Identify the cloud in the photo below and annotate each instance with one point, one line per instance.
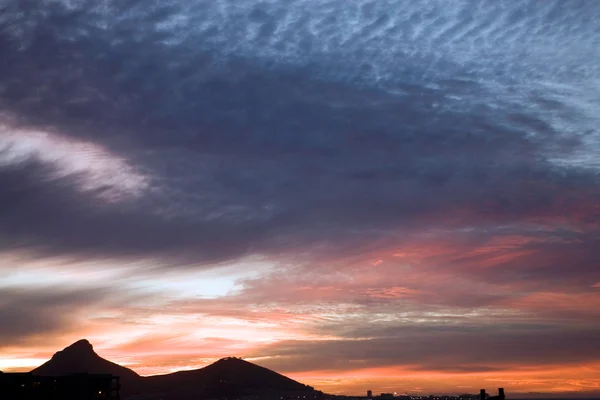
(44, 304)
(96, 169)
(233, 153)
(49, 216)
(391, 163)
(29, 313)
(438, 349)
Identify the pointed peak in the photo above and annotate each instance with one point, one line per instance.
(79, 358)
(82, 344)
(80, 347)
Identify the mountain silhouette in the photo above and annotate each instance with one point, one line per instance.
(226, 377)
(80, 357)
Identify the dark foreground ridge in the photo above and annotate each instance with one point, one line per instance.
(226, 377)
(80, 357)
(78, 365)
(78, 373)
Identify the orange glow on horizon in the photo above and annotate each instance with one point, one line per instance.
(355, 381)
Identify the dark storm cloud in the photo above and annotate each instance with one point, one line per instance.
(27, 313)
(553, 256)
(49, 216)
(440, 349)
(269, 127)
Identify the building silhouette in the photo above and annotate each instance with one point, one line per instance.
(27, 386)
(484, 396)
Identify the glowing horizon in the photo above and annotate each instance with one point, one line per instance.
(522, 381)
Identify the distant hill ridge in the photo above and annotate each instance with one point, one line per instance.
(228, 376)
(81, 357)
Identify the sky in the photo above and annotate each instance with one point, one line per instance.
(360, 194)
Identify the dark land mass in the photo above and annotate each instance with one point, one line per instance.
(228, 377)
(80, 357)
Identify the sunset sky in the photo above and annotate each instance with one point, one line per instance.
(360, 194)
